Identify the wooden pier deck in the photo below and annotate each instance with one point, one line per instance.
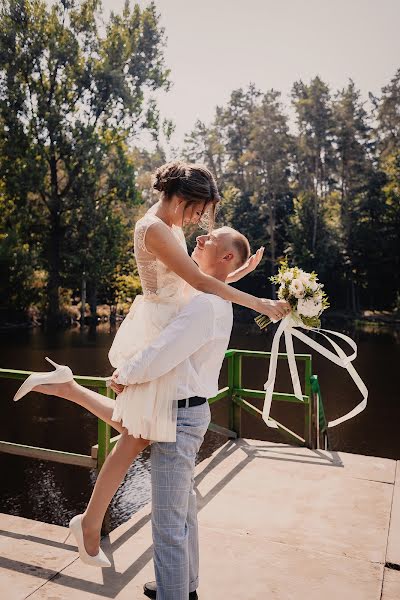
(276, 523)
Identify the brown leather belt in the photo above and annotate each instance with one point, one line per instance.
(193, 401)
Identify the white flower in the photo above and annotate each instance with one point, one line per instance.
(287, 276)
(308, 307)
(319, 307)
(296, 288)
(280, 292)
(313, 285)
(304, 278)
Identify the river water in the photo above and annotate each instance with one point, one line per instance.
(53, 493)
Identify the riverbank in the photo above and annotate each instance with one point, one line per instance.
(70, 317)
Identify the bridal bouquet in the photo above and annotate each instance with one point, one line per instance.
(304, 294)
(307, 301)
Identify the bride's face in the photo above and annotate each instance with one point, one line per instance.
(187, 215)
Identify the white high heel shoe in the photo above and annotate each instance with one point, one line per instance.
(62, 374)
(100, 560)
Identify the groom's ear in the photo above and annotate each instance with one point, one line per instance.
(229, 257)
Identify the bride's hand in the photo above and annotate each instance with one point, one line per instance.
(274, 309)
(249, 266)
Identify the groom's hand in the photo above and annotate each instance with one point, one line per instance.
(117, 387)
(249, 266)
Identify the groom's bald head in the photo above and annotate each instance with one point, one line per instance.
(240, 245)
(222, 251)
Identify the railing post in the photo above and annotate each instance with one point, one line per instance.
(235, 382)
(316, 433)
(103, 432)
(319, 415)
(103, 440)
(309, 409)
(231, 357)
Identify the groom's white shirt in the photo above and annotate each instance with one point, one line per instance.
(194, 343)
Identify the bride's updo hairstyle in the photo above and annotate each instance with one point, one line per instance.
(192, 182)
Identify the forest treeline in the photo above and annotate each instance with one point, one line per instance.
(317, 181)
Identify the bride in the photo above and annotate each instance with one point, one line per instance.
(147, 412)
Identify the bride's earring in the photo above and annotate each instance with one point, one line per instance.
(177, 206)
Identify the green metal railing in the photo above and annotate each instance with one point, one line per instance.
(314, 417)
(320, 425)
(240, 396)
(99, 451)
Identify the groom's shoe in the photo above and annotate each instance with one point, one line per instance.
(150, 590)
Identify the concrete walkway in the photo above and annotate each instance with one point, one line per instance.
(276, 523)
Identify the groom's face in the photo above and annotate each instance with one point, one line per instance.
(212, 248)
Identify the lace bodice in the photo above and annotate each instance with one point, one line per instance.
(158, 282)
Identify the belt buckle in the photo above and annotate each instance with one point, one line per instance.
(187, 404)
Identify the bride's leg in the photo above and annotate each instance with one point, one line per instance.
(96, 403)
(108, 481)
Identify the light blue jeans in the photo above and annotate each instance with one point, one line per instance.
(174, 509)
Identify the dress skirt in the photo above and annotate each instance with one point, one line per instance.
(147, 410)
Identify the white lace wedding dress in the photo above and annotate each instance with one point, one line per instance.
(148, 410)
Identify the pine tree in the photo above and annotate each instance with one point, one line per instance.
(353, 169)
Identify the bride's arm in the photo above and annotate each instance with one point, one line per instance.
(161, 242)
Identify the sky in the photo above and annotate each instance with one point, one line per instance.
(216, 46)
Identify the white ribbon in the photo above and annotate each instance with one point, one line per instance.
(287, 327)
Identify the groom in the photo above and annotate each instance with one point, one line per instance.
(194, 344)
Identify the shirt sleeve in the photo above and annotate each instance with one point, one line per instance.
(190, 330)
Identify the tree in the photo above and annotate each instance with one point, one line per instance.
(97, 233)
(146, 162)
(314, 152)
(352, 140)
(386, 111)
(236, 121)
(67, 93)
(206, 145)
(21, 280)
(270, 151)
(390, 276)
(383, 208)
